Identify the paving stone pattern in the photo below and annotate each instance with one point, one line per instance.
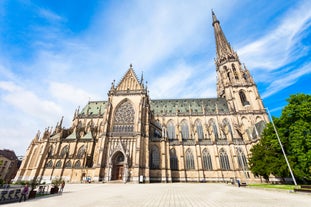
(169, 195)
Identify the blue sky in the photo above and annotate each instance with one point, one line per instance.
(58, 55)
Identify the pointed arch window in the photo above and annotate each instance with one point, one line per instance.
(49, 164)
(68, 164)
(170, 130)
(224, 160)
(58, 164)
(243, 98)
(64, 152)
(77, 164)
(173, 160)
(214, 128)
(184, 130)
(207, 160)
(199, 129)
(242, 161)
(124, 118)
(227, 128)
(81, 152)
(189, 160)
(155, 158)
(234, 72)
(50, 152)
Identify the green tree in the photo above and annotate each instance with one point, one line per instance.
(294, 128)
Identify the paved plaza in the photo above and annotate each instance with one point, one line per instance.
(176, 194)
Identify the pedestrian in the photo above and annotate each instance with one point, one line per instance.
(62, 186)
(24, 193)
(239, 184)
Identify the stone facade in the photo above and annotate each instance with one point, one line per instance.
(133, 138)
(9, 164)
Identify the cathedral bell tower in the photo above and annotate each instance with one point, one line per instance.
(234, 82)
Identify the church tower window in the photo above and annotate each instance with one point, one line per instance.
(243, 98)
(234, 72)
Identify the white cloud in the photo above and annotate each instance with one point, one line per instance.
(274, 50)
(65, 92)
(28, 102)
(285, 80)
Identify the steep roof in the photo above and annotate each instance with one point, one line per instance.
(189, 106)
(94, 108)
(129, 81)
(8, 154)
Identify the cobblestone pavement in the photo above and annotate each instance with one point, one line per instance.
(169, 195)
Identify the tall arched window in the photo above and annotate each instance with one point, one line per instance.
(170, 130)
(214, 128)
(124, 117)
(242, 161)
(207, 161)
(234, 72)
(184, 130)
(189, 160)
(227, 128)
(154, 158)
(224, 160)
(81, 152)
(199, 129)
(243, 98)
(50, 152)
(173, 159)
(64, 152)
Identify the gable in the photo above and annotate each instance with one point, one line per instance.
(129, 82)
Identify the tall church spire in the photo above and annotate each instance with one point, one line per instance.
(223, 49)
(234, 82)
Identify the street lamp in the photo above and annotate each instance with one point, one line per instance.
(277, 135)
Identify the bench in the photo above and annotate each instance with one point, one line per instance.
(243, 184)
(304, 188)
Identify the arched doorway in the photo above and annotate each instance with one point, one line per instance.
(118, 166)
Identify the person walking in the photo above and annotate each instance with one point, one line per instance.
(24, 193)
(62, 186)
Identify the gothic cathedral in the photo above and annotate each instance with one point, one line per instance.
(133, 138)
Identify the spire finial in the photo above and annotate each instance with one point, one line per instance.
(215, 20)
(142, 77)
(131, 66)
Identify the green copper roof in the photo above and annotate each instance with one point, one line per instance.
(94, 108)
(189, 106)
(169, 107)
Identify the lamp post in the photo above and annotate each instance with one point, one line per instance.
(277, 135)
